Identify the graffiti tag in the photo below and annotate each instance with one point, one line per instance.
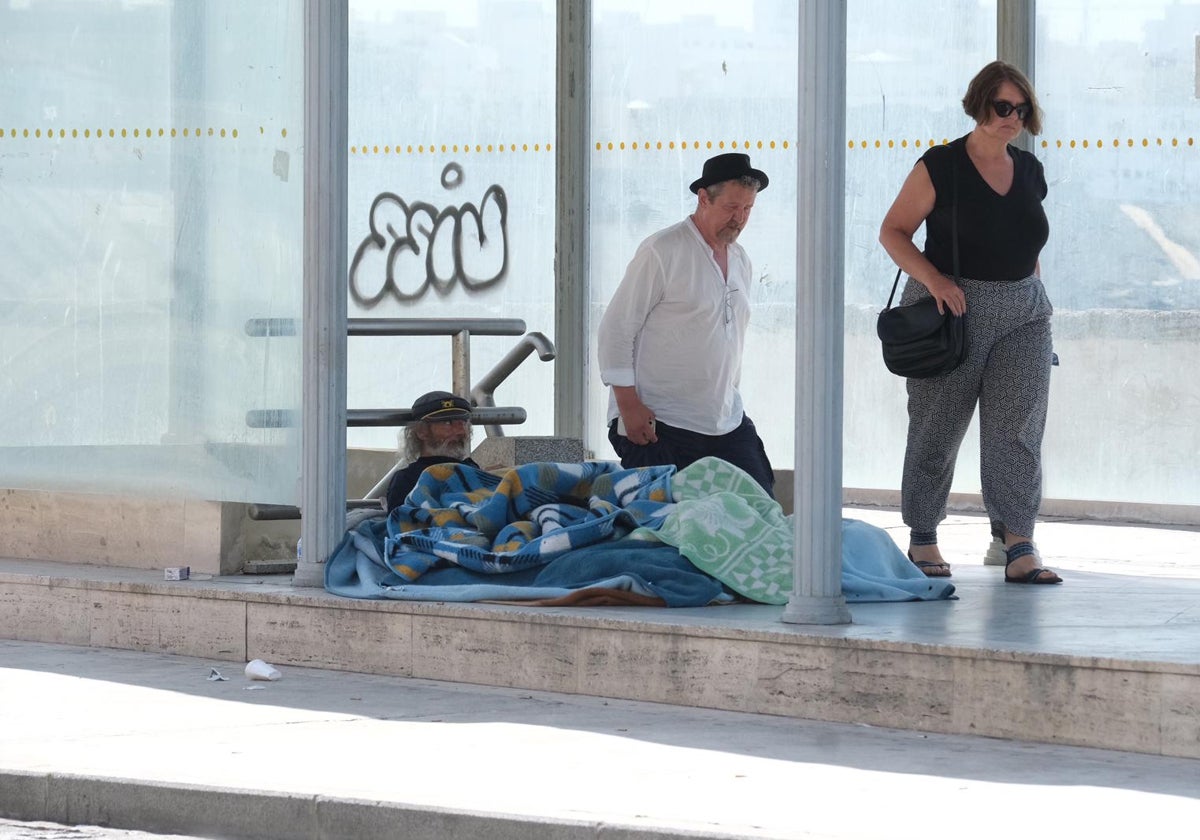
(415, 247)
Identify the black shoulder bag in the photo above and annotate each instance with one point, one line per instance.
(917, 341)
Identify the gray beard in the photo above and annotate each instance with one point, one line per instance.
(454, 450)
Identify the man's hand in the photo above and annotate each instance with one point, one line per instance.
(640, 432)
(636, 416)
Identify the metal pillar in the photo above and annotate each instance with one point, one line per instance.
(323, 411)
(820, 264)
(1016, 29)
(571, 289)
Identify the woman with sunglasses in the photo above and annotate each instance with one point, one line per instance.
(990, 193)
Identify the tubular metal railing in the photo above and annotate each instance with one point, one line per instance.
(484, 412)
(481, 394)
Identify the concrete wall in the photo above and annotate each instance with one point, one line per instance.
(211, 537)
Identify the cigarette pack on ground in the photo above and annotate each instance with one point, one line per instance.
(177, 572)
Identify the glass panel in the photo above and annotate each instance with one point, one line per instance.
(1119, 84)
(904, 86)
(451, 195)
(670, 73)
(150, 204)
(674, 83)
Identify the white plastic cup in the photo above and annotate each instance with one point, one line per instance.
(256, 669)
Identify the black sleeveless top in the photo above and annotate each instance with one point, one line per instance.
(999, 236)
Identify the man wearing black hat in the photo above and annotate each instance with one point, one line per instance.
(670, 343)
(440, 431)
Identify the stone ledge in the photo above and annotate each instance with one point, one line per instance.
(732, 658)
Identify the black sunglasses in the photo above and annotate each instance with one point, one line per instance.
(1003, 108)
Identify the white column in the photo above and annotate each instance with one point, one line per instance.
(323, 410)
(571, 155)
(1016, 33)
(1016, 42)
(820, 262)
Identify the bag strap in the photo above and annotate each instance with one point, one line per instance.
(953, 229)
(893, 294)
(954, 212)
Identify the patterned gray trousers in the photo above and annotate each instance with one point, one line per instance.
(1007, 372)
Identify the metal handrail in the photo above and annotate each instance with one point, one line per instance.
(434, 326)
(459, 330)
(485, 411)
(264, 327)
(281, 418)
(401, 416)
(481, 394)
(265, 512)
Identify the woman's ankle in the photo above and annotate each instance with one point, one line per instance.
(925, 552)
(1017, 550)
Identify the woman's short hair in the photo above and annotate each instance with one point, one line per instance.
(982, 91)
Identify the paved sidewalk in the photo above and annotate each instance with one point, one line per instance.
(148, 741)
(17, 830)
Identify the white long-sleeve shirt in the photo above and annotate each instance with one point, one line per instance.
(675, 329)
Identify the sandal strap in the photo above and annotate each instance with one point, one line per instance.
(1018, 550)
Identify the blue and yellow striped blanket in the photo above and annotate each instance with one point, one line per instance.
(527, 517)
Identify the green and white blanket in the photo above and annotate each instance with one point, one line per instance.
(727, 526)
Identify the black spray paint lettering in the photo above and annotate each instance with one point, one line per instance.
(413, 248)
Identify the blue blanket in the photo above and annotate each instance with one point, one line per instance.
(534, 513)
(546, 531)
(652, 570)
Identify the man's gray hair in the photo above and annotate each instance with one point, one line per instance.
(748, 181)
(410, 444)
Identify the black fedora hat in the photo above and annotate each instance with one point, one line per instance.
(728, 167)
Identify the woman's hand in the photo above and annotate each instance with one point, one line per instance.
(948, 295)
